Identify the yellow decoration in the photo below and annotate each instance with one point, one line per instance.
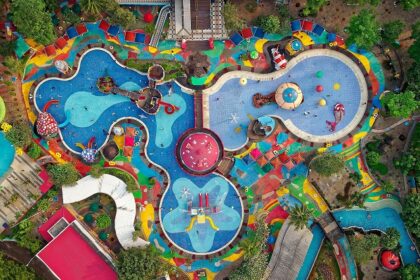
(6, 126)
(112, 163)
(322, 102)
(19, 151)
(337, 86)
(243, 81)
(57, 154)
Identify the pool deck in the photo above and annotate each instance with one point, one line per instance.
(357, 118)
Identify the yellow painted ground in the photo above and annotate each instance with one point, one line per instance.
(172, 51)
(247, 63)
(304, 38)
(363, 60)
(148, 214)
(309, 189)
(247, 151)
(25, 92)
(234, 257)
(282, 191)
(152, 49)
(119, 140)
(209, 78)
(259, 45)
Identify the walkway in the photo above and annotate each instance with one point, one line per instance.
(124, 202)
(289, 253)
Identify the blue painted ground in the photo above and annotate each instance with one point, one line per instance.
(237, 100)
(379, 220)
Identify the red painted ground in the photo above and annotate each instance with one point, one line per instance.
(70, 257)
(199, 151)
(47, 182)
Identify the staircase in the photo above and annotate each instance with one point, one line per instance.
(160, 24)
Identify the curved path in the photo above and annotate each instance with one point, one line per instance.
(124, 202)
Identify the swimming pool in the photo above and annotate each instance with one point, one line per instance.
(7, 154)
(379, 220)
(231, 107)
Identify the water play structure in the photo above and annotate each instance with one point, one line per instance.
(46, 125)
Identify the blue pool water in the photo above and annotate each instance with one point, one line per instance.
(380, 220)
(160, 149)
(237, 100)
(202, 238)
(310, 258)
(7, 154)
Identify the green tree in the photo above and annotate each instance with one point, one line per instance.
(25, 237)
(122, 17)
(96, 171)
(251, 269)
(362, 247)
(373, 158)
(34, 151)
(390, 239)
(70, 17)
(256, 239)
(410, 272)
(363, 2)
(411, 213)
(363, 30)
(10, 269)
(414, 51)
(409, 162)
(15, 65)
(400, 105)
(327, 164)
(270, 24)
(413, 79)
(103, 221)
(93, 7)
(233, 22)
(7, 48)
(20, 135)
(415, 30)
(313, 6)
(43, 205)
(300, 215)
(32, 20)
(63, 174)
(51, 5)
(140, 263)
(410, 4)
(392, 30)
(388, 187)
(355, 177)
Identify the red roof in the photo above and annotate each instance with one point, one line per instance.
(130, 36)
(50, 50)
(390, 260)
(81, 28)
(61, 43)
(247, 33)
(71, 257)
(61, 213)
(104, 25)
(307, 25)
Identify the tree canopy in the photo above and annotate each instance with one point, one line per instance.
(34, 151)
(410, 4)
(270, 24)
(410, 272)
(362, 247)
(63, 174)
(411, 213)
(140, 263)
(33, 21)
(300, 215)
(255, 255)
(20, 135)
(363, 2)
(400, 105)
(363, 30)
(10, 269)
(26, 238)
(413, 79)
(123, 17)
(327, 164)
(392, 30)
(390, 239)
(103, 221)
(233, 22)
(414, 50)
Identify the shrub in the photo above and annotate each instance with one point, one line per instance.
(103, 221)
(362, 247)
(390, 239)
(34, 151)
(411, 213)
(327, 164)
(20, 135)
(251, 6)
(43, 205)
(63, 174)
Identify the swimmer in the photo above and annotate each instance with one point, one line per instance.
(86, 108)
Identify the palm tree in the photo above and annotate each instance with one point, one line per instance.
(299, 216)
(92, 7)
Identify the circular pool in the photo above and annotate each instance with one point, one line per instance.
(201, 220)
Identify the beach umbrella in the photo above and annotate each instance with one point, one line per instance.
(289, 96)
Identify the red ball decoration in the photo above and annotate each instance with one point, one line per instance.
(319, 88)
(148, 17)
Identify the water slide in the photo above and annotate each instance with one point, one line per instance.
(160, 23)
